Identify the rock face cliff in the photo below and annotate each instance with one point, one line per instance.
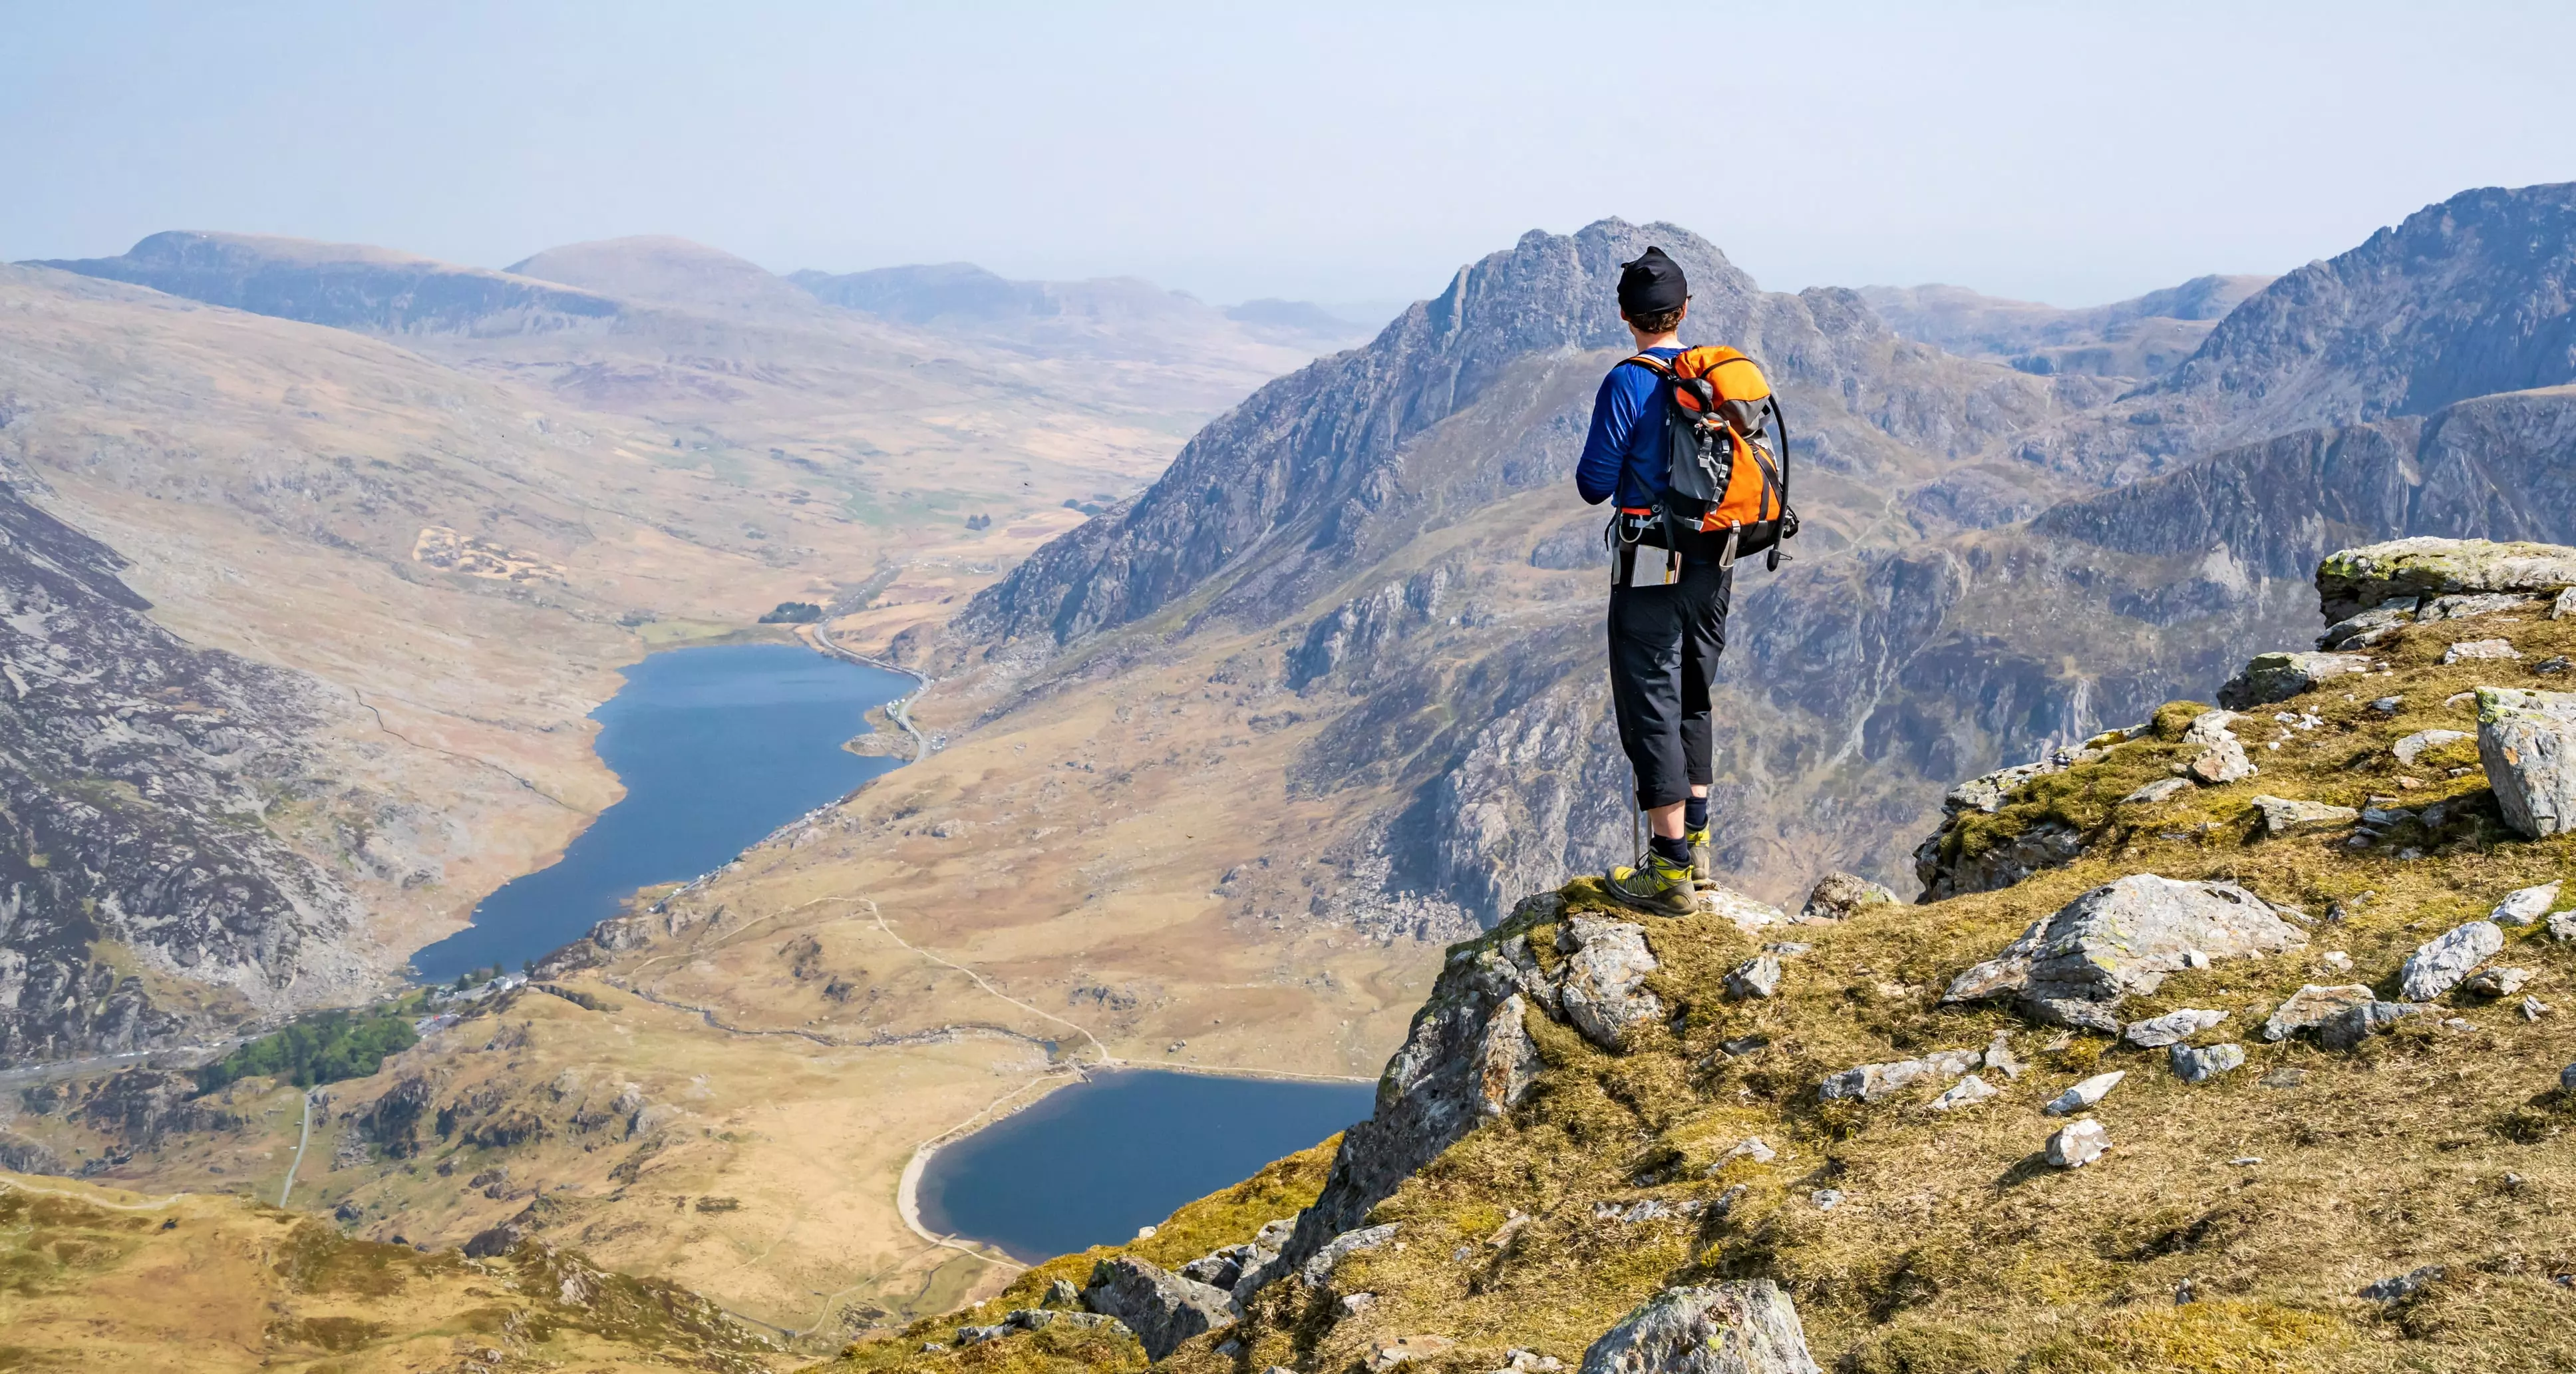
(134, 775)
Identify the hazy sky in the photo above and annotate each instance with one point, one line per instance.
(2061, 152)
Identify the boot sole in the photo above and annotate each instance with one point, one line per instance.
(1657, 906)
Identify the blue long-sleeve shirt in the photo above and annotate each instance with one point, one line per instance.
(1623, 455)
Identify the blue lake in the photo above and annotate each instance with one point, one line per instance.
(717, 747)
(1089, 1164)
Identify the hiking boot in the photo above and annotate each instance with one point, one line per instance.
(1703, 868)
(1660, 886)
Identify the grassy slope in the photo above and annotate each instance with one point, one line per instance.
(91, 1278)
(1956, 1248)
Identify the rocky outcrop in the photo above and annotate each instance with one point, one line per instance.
(2278, 677)
(2527, 741)
(2121, 938)
(1944, 866)
(1468, 1057)
(1163, 1309)
(2450, 578)
(1841, 896)
(1727, 1328)
(1603, 991)
(136, 774)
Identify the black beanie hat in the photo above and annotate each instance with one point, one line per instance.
(1651, 283)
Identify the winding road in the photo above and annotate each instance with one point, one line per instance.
(306, 1138)
(900, 712)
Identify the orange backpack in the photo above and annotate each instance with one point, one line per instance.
(1727, 490)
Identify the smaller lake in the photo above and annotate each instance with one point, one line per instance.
(717, 747)
(1089, 1164)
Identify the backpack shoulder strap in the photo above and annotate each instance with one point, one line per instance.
(1651, 363)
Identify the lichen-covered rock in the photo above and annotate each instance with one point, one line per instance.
(1727, 1328)
(2220, 762)
(1841, 896)
(1604, 987)
(2268, 678)
(1747, 914)
(2470, 605)
(2289, 816)
(1945, 872)
(2527, 740)
(2161, 790)
(2312, 1006)
(2350, 579)
(2444, 962)
(2120, 938)
(1163, 1309)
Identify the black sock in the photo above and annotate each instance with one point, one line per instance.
(1672, 849)
(1695, 814)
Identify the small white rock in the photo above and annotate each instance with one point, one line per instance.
(2525, 907)
(1966, 1092)
(1826, 1199)
(2082, 1142)
(2156, 1032)
(2479, 648)
(2200, 1066)
(2085, 1094)
(2533, 1009)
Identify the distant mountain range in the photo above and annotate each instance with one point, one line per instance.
(2140, 337)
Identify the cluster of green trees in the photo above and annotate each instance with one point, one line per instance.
(322, 1049)
(793, 613)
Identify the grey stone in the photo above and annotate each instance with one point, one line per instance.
(1870, 1082)
(2121, 938)
(2200, 1066)
(2498, 982)
(2312, 1006)
(2000, 1057)
(2078, 1143)
(1604, 989)
(2369, 627)
(1751, 1147)
(2527, 740)
(2564, 606)
(1757, 977)
(2413, 746)
(2388, 706)
(2533, 1009)
(2405, 1285)
(1747, 914)
(2426, 566)
(1727, 1328)
(2044, 845)
(2525, 906)
(1967, 1092)
(1826, 1199)
(2156, 1032)
(2562, 925)
(2219, 762)
(2085, 1094)
(1841, 896)
(2352, 1025)
(1353, 1304)
(977, 1335)
(1320, 1266)
(1061, 1294)
(1226, 1267)
(2468, 605)
(2161, 790)
(2286, 816)
(1162, 1309)
(1274, 1233)
(2554, 665)
(2474, 649)
(2442, 963)
(2268, 678)
(2567, 1079)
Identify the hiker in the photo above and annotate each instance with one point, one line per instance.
(1677, 440)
